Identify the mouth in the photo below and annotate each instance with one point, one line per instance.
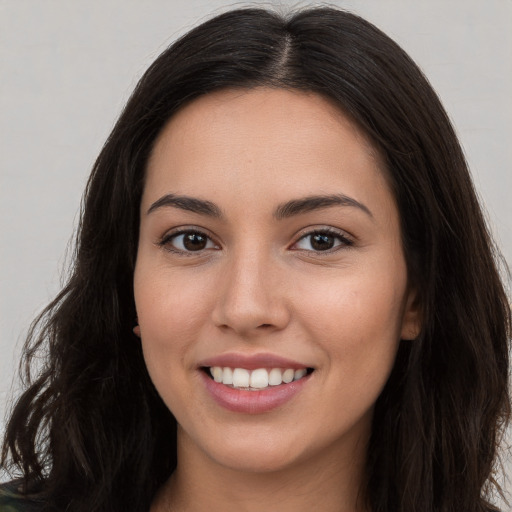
(254, 383)
(257, 379)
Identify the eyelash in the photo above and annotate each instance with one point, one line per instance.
(166, 241)
(344, 241)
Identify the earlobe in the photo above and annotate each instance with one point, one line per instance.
(136, 330)
(412, 321)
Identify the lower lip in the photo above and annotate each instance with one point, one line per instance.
(253, 402)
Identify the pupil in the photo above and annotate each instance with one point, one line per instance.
(194, 241)
(322, 242)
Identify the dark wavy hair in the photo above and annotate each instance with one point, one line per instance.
(90, 433)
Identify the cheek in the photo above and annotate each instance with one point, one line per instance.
(357, 327)
(357, 305)
(168, 303)
(357, 321)
(170, 317)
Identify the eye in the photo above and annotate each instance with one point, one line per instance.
(321, 241)
(188, 241)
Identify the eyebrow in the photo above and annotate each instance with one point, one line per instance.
(187, 203)
(283, 211)
(310, 203)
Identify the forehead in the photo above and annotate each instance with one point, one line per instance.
(245, 112)
(283, 141)
(290, 104)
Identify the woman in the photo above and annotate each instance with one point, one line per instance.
(284, 292)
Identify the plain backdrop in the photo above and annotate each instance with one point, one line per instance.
(68, 66)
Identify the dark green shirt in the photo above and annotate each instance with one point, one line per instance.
(12, 501)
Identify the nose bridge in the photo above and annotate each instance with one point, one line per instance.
(250, 296)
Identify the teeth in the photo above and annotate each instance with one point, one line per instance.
(275, 377)
(241, 378)
(257, 379)
(300, 373)
(288, 375)
(217, 374)
(227, 376)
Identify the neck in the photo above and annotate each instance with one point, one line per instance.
(330, 481)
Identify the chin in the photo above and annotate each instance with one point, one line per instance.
(255, 451)
(256, 460)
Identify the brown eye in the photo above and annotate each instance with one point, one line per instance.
(194, 241)
(322, 242)
(188, 241)
(319, 241)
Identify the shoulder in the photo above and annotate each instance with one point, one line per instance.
(11, 500)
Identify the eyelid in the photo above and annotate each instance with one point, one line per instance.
(346, 239)
(164, 241)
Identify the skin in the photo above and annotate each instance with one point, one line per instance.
(259, 286)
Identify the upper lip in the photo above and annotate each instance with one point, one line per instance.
(252, 361)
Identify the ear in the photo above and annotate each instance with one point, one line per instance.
(136, 330)
(412, 320)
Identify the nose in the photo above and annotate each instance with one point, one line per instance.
(251, 297)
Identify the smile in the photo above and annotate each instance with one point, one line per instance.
(255, 383)
(258, 379)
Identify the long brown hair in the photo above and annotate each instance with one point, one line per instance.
(90, 433)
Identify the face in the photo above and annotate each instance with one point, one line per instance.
(270, 282)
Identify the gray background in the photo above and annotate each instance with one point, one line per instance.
(67, 67)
